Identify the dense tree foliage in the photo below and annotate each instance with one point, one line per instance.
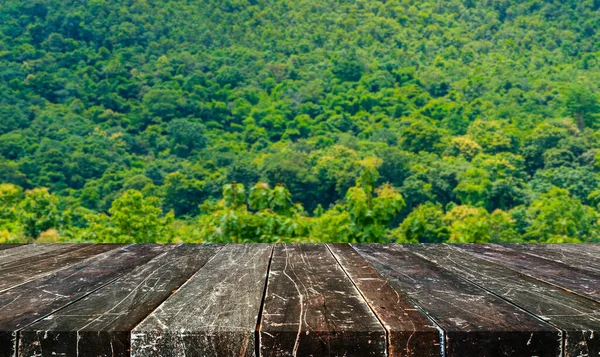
(333, 120)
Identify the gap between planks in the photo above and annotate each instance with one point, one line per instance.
(387, 332)
(390, 347)
(257, 339)
(563, 332)
(257, 329)
(530, 271)
(332, 318)
(69, 303)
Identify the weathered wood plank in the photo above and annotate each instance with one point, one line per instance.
(583, 282)
(476, 322)
(581, 256)
(27, 303)
(9, 246)
(100, 324)
(409, 332)
(214, 313)
(576, 316)
(594, 246)
(311, 308)
(20, 271)
(28, 251)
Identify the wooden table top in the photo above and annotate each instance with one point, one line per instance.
(299, 300)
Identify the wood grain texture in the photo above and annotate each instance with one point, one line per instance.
(311, 308)
(9, 246)
(100, 324)
(580, 281)
(29, 302)
(576, 316)
(20, 271)
(28, 251)
(593, 246)
(476, 322)
(214, 313)
(576, 255)
(409, 332)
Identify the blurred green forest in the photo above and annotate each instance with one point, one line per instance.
(300, 121)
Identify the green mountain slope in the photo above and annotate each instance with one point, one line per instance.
(367, 120)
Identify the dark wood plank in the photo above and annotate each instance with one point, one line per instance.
(100, 324)
(27, 303)
(311, 308)
(214, 313)
(580, 281)
(594, 246)
(409, 332)
(581, 256)
(9, 246)
(576, 316)
(20, 271)
(25, 252)
(475, 322)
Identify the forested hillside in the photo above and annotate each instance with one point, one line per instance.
(300, 120)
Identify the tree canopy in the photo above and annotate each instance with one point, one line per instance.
(304, 121)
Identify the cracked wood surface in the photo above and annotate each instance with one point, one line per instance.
(576, 316)
(100, 324)
(28, 251)
(308, 300)
(568, 254)
(475, 322)
(29, 302)
(409, 332)
(214, 313)
(20, 271)
(581, 281)
(311, 308)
